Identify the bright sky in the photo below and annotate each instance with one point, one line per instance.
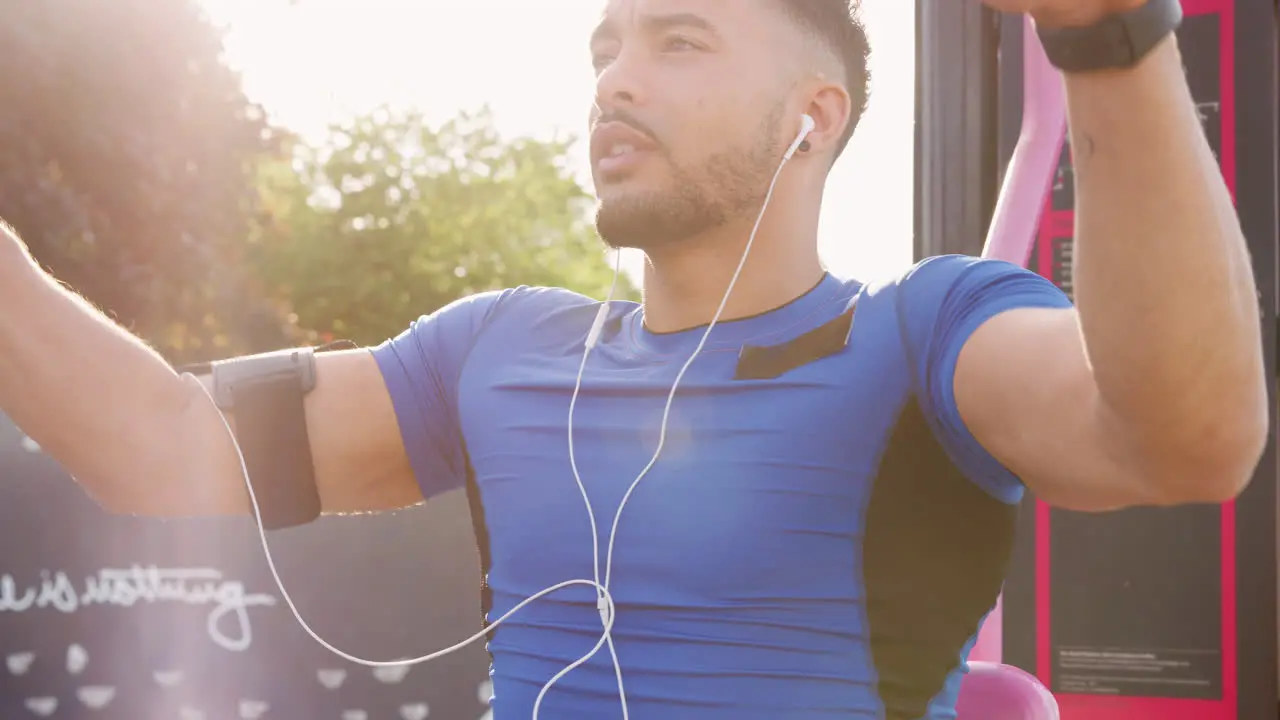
(318, 61)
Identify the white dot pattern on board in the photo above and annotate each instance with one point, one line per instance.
(98, 697)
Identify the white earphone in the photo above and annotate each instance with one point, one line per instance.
(604, 601)
(807, 125)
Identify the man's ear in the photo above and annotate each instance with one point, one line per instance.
(831, 109)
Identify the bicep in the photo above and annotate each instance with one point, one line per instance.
(382, 422)
(1024, 389)
(356, 449)
(360, 459)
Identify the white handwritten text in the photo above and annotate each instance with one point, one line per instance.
(127, 588)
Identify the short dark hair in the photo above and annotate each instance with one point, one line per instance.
(837, 24)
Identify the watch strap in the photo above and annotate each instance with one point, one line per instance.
(1118, 42)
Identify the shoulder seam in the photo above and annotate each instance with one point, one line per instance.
(490, 312)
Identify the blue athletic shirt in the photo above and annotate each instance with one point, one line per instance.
(821, 537)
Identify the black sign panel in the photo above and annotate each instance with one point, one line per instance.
(1139, 613)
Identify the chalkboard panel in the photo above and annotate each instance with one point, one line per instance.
(108, 617)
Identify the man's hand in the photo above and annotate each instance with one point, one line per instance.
(1065, 13)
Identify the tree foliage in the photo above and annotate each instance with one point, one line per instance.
(389, 219)
(129, 149)
(139, 174)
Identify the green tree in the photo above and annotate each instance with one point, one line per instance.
(389, 219)
(129, 152)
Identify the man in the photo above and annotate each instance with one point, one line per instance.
(829, 519)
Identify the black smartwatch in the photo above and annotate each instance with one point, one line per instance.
(1117, 42)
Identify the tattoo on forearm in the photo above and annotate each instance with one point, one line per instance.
(1085, 147)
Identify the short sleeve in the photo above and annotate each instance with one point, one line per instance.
(941, 302)
(421, 368)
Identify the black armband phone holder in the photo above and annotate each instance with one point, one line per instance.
(266, 394)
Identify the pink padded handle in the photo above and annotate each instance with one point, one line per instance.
(1017, 216)
(1000, 692)
(1035, 159)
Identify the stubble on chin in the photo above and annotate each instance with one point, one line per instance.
(727, 185)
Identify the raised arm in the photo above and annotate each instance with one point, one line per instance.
(142, 441)
(1153, 390)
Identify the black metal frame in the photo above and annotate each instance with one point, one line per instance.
(956, 126)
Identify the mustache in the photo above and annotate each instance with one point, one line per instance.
(623, 117)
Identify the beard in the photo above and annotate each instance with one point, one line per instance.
(727, 185)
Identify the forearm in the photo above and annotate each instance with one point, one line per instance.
(105, 405)
(1164, 284)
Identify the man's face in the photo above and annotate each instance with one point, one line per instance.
(685, 132)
